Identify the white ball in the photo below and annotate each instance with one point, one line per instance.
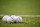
(4, 19)
(14, 17)
(19, 19)
(10, 20)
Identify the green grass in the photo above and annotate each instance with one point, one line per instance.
(27, 22)
(20, 24)
(20, 7)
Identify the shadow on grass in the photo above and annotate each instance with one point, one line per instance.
(19, 23)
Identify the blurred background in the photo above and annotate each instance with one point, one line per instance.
(19, 7)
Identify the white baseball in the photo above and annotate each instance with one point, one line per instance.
(4, 19)
(19, 19)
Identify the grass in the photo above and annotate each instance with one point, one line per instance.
(20, 7)
(27, 22)
(30, 24)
